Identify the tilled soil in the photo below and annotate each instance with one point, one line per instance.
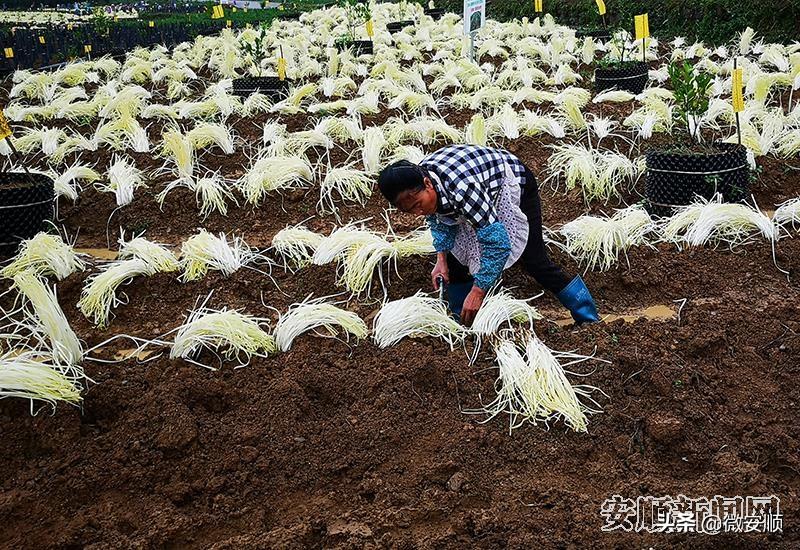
(342, 445)
(347, 446)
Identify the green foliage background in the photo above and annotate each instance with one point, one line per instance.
(713, 21)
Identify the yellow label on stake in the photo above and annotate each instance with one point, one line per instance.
(229, 23)
(601, 7)
(87, 48)
(281, 68)
(5, 129)
(538, 6)
(41, 39)
(642, 26)
(736, 86)
(234, 9)
(370, 29)
(69, 26)
(217, 12)
(151, 24)
(9, 52)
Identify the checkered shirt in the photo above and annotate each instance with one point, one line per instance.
(468, 179)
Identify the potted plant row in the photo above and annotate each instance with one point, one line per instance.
(618, 69)
(26, 207)
(358, 12)
(689, 167)
(597, 30)
(256, 49)
(397, 26)
(433, 12)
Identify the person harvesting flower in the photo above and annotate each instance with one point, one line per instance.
(483, 208)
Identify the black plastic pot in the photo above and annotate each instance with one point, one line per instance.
(600, 34)
(397, 26)
(435, 13)
(270, 86)
(632, 78)
(675, 179)
(358, 47)
(26, 207)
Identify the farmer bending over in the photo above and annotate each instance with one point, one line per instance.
(483, 209)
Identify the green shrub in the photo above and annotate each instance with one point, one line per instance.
(713, 21)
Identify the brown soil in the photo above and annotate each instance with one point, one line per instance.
(352, 446)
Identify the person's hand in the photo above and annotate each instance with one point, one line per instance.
(472, 304)
(440, 269)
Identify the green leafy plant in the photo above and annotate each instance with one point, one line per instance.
(101, 22)
(619, 54)
(256, 49)
(690, 89)
(358, 13)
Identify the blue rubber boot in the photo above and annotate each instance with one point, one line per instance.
(578, 300)
(456, 294)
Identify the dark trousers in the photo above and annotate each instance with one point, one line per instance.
(534, 258)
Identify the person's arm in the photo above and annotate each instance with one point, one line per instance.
(444, 237)
(477, 207)
(495, 250)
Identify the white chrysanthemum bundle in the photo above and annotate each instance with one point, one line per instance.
(596, 242)
(212, 193)
(123, 179)
(274, 173)
(714, 222)
(533, 386)
(205, 251)
(500, 308)
(418, 316)
(351, 184)
(237, 336)
(44, 254)
(315, 315)
(45, 322)
(29, 375)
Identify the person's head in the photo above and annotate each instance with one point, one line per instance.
(407, 186)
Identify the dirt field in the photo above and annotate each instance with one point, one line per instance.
(352, 446)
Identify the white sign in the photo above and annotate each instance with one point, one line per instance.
(474, 15)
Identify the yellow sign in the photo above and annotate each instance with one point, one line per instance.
(9, 52)
(229, 23)
(41, 39)
(738, 97)
(601, 7)
(370, 29)
(234, 9)
(151, 24)
(642, 26)
(217, 12)
(538, 6)
(87, 48)
(5, 129)
(281, 68)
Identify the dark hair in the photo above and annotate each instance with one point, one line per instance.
(399, 177)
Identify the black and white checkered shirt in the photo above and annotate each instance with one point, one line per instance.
(468, 178)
